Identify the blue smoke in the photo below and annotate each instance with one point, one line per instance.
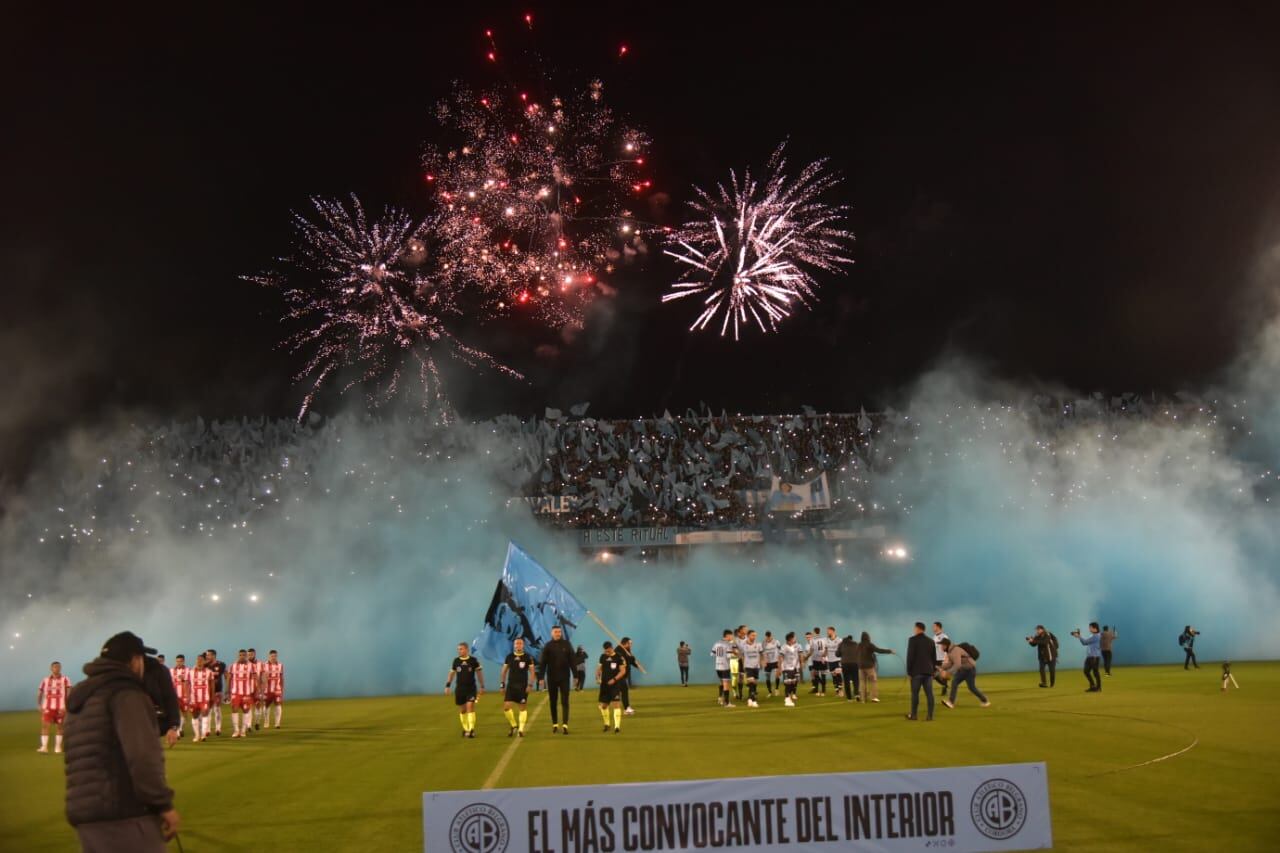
(367, 580)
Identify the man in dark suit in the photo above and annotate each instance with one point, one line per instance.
(921, 664)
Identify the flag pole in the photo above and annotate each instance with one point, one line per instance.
(612, 636)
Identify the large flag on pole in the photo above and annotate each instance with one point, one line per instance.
(528, 603)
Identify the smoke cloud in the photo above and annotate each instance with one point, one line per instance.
(365, 577)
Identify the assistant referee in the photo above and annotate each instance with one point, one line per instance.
(555, 669)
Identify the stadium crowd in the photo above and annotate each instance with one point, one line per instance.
(699, 470)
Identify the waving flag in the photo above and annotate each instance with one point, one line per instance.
(528, 603)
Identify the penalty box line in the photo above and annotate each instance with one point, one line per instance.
(511, 750)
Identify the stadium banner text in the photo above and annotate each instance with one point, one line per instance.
(992, 807)
(607, 537)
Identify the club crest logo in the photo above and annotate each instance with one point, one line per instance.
(479, 828)
(998, 809)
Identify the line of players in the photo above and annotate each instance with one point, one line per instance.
(466, 680)
(254, 687)
(739, 655)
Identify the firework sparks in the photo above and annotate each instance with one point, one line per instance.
(534, 197)
(753, 248)
(365, 299)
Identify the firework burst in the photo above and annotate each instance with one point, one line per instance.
(535, 197)
(369, 299)
(753, 248)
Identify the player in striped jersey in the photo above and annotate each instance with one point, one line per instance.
(751, 653)
(792, 662)
(180, 675)
(273, 681)
(722, 651)
(51, 698)
(243, 678)
(771, 649)
(258, 712)
(816, 652)
(203, 681)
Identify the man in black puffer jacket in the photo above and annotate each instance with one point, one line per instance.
(117, 798)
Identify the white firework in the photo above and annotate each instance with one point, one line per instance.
(754, 247)
(369, 301)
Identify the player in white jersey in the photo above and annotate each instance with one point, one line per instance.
(243, 679)
(721, 651)
(180, 674)
(792, 662)
(771, 649)
(816, 652)
(202, 686)
(51, 699)
(273, 681)
(831, 654)
(751, 654)
(940, 654)
(739, 647)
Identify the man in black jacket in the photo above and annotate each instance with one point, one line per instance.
(1047, 652)
(848, 652)
(158, 682)
(921, 665)
(117, 797)
(624, 649)
(555, 669)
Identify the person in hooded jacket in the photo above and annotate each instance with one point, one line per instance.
(868, 669)
(158, 683)
(117, 796)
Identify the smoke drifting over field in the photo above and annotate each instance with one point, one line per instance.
(366, 579)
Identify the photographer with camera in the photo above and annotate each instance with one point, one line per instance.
(1092, 656)
(1046, 645)
(1187, 639)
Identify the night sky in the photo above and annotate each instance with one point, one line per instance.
(1072, 196)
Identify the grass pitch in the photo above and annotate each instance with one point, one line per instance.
(1160, 760)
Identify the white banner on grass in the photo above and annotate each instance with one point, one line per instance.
(994, 807)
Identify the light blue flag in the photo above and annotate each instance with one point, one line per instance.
(528, 603)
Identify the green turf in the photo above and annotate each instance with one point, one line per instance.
(348, 774)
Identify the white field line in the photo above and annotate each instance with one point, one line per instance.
(511, 750)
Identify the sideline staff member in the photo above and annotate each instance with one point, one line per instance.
(117, 797)
(556, 669)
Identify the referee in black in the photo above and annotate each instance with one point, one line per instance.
(555, 669)
(624, 649)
